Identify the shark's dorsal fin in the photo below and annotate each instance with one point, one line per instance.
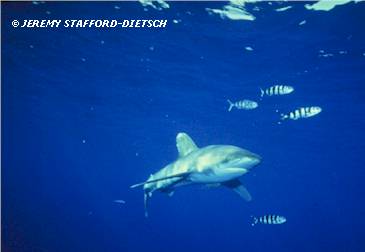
(185, 144)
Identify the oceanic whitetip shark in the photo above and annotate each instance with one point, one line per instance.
(211, 165)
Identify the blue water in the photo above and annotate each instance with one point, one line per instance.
(88, 112)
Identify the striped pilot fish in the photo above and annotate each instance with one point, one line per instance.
(268, 219)
(276, 90)
(304, 112)
(244, 104)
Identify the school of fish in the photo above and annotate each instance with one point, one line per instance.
(277, 90)
(298, 113)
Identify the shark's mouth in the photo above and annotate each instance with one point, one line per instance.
(237, 162)
(243, 162)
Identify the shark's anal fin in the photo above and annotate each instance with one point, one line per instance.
(185, 144)
(179, 175)
(237, 186)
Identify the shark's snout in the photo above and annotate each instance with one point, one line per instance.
(249, 161)
(256, 159)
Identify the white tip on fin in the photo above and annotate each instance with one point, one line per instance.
(185, 145)
(137, 185)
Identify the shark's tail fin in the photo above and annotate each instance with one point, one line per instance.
(254, 220)
(231, 105)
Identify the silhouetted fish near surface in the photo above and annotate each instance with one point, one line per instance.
(270, 219)
(244, 104)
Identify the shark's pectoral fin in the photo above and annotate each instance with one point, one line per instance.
(179, 175)
(237, 186)
(185, 144)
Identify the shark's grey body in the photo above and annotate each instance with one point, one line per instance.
(213, 164)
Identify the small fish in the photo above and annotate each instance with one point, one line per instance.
(304, 112)
(119, 201)
(244, 104)
(268, 219)
(277, 90)
(284, 8)
(303, 22)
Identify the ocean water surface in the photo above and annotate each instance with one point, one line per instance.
(87, 112)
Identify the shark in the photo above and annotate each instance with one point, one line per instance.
(213, 165)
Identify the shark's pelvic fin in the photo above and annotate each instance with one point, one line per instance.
(211, 185)
(179, 175)
(185, 144)
(169, 191)
(237, 186)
